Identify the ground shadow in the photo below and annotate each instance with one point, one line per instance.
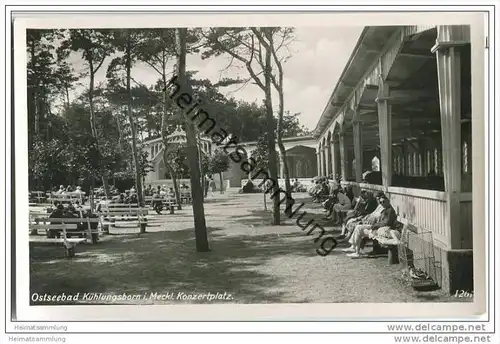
(167, 261)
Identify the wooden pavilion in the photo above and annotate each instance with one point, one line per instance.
(403, 105)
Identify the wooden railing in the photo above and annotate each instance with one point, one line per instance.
(426, 209)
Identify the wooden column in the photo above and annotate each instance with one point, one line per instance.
(320, 169)
(334, 156)
(343, 156)
(385, 133)
(318, 162)
(358, 146)
(327, 160)
(448, 67)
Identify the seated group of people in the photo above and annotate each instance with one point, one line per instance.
(163, 190)
(159, 194)
(72, 210)
(320, 189)
(339, 201)
(100, 192)
(373, 216)
(69, 189)
(297, 186)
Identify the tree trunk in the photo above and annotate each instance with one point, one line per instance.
(176, 191)
(279, 87)
(34, 91)
(135, 158)
(93, 128)
(92, 200)
(288, 186)
(202, 171)
(66, 88)
(221, 183)
(265, 202)
(271, 141)
(164, 137)
(174, 179)
(200, 227)
(281, 146)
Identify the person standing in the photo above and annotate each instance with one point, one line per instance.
(206, 186)
(211, 186)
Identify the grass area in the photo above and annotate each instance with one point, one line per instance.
(249, 259)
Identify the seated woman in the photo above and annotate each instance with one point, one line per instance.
(315, 190)
(330, 201)
(387, 218)
(322, 190)
(132, 199)
(342, 204)
(367, 211)
(171, 193)
(363, 205)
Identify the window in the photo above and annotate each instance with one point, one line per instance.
(465, 158)
(416, 167)
(429, 161)
(437, 162)
(420, 165)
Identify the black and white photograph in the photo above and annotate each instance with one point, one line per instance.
(250, 165)
(297, 166)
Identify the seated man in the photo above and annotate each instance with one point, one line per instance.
(387, 218)
(157, 203)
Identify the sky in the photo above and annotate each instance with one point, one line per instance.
(319, 54)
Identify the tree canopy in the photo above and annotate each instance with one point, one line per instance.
(79, 127)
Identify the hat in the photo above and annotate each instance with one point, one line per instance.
(379, 194)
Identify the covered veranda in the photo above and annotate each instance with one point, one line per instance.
(402, 109)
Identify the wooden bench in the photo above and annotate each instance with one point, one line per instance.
(186, 196)
(391, 244)
(39, 196)
(111, 214)
(89, 233)
(68, 243)
(168, 203)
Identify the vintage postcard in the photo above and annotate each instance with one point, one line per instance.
(249, 166)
